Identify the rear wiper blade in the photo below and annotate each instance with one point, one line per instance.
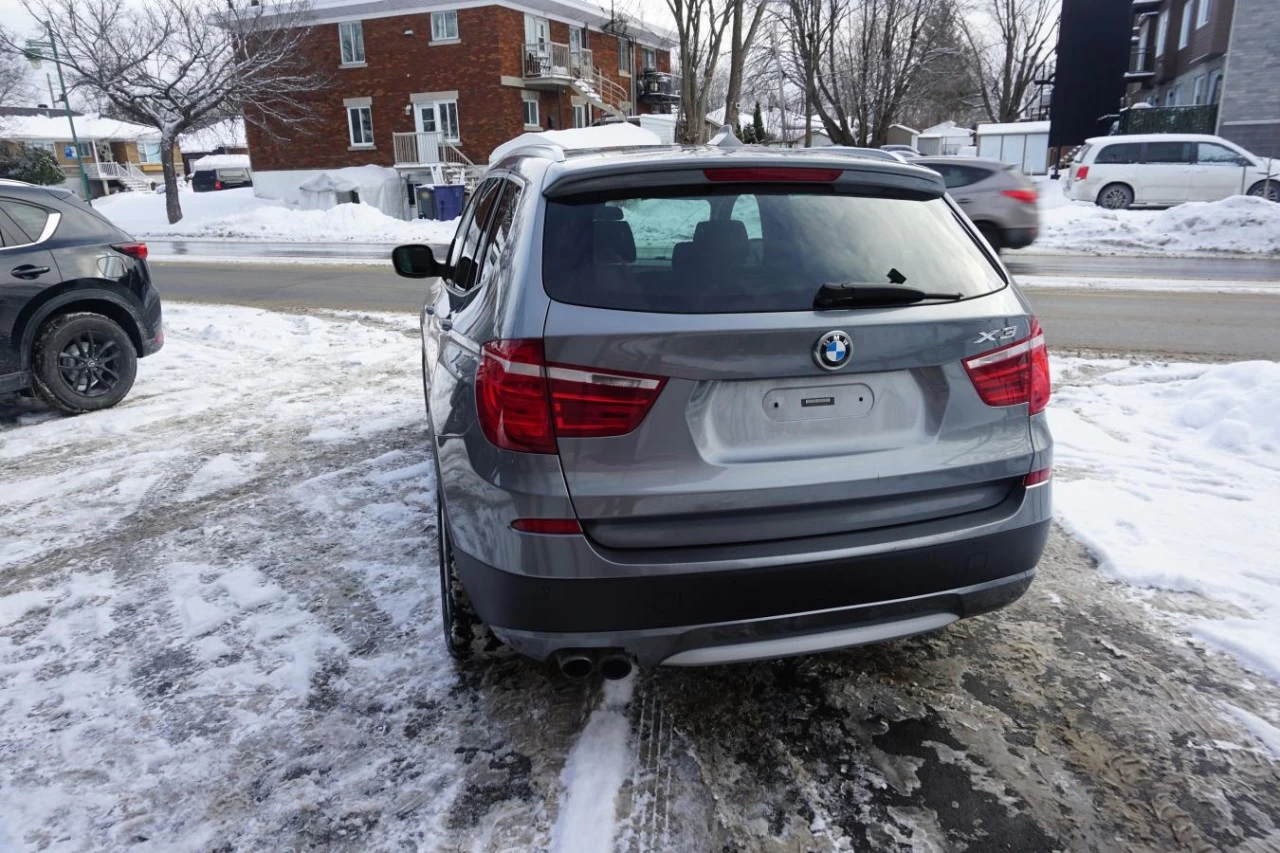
(852, 294)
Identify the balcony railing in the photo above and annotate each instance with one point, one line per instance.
(1201, 118)
(658, 86)
(428, 148)
(1142, 63)
(551, 60)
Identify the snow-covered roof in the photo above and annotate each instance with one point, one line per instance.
(948, 130)
(571, 11)
(1012, 127)
(221, 161)
(620, 135)
(903, 127)
(224, 134)
(88, 127)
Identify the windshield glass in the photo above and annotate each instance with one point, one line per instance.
(751, 250)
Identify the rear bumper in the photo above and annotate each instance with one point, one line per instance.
(719, 616)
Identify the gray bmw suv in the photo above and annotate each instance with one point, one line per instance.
(701, 405)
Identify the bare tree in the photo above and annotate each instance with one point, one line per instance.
(177, 65)
(700, 28)
(15, 80)
(807, 27)
(740, 43)
(1009, 41)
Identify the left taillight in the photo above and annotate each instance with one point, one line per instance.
(525, 403)
(1014, 374)
(1026, 196)
(133, 250)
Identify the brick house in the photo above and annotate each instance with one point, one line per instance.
(117, 155)
(437, 84)
(1215, 58)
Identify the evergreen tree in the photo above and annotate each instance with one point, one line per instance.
(30, 164)
(757, 126)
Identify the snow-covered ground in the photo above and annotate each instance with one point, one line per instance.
(218, 627)
(1237, 225)
(1170, 473)
(240, 215)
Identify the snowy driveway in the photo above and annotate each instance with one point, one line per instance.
(219, 630)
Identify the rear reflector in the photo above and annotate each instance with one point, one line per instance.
(551, 526)
(1082, 172)
(1026, 196)
(788, 174)
(1035, 478)
(133, 250)
(1013, 374)
(524, 403)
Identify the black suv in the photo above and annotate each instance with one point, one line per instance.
(77, 308)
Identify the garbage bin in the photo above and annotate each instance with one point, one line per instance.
(448, 201)
(426, 204)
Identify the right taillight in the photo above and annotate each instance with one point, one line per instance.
(1082, 172)
(1014, 374)
(217, 185)
(525, 403)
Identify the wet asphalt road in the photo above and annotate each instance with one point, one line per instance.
(1217, 325)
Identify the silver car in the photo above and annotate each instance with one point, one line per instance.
(999, 199)
(701, 405)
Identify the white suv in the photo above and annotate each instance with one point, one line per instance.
(1168, 168)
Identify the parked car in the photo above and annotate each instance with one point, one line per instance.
(77, 307)
(999, 199)
(909, 152)
(227, 178)
(1160, 169)
(700, 406)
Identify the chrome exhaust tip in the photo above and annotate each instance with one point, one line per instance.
(615, 666)
(575, 665)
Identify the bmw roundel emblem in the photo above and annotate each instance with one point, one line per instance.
(833, 350)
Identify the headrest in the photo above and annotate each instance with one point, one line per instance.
(614, 242)
(605, 213)
(727, 235)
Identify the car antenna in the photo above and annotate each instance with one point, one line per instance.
(724, 138)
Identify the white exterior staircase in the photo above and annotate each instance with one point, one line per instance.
(127, 174)
(601, 92)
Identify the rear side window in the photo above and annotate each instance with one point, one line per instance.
(1124, 152)
(959, 176)
(500, 230)
(463, 260)
(1168, 152)
(29, 218)
(750, 249)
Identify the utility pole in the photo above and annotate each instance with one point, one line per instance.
(35, 54)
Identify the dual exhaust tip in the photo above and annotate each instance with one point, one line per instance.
(581, 664)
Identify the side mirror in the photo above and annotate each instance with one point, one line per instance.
(1243, 161)
(416, 261)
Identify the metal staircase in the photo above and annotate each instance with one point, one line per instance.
(126, 174)
(601, 92)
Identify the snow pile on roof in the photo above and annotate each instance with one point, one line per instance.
(620, 135)
(1240, 224)
(221, 161)
(947, 130)
(1170, 474)
(224, 134)
(239, 214)
(1012, 127)
(88, 127)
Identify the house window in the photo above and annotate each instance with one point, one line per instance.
(351, 38)
(149, 152)
(47, 146)
(444, 26)
(1198, 89)
(580, 115)
(1173, 96)
(531, 111)
(1202, 13)
(648, 59)
(360, 126)
(1215, 87)
(1184, 34)
(624, 56)
(1162, 32)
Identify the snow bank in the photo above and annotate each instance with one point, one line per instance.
(221, 161)
(239, 214)
(1240, 225)
(1170, 474)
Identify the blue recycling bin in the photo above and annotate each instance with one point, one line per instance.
(448, 201)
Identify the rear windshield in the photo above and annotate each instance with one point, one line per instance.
(233, 174)
(752, 250)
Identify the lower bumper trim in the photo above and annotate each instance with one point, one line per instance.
(859, 635)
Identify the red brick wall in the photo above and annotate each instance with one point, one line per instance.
(489, 113)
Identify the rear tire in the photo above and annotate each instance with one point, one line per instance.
(1270, 190)
(465, 636)
(992, 235)
(83, 362)
(1115, 197)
